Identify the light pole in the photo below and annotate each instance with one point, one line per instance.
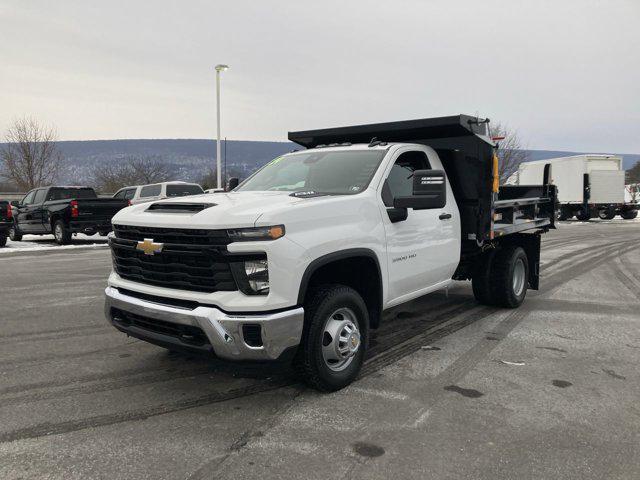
(219, 68)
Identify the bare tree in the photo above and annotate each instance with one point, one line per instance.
(511, 152)
(133, 170)
(633, 174)
(30, 157)
(209, 178)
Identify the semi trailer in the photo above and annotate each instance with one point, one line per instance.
(588, 185)
(301, 259)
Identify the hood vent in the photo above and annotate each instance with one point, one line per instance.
(179, 207)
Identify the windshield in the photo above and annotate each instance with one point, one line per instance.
(178, 190)
(340, 173)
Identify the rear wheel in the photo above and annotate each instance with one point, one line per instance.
(607, 214)
(61, 233)
(629, 214)
(334, 337)
(15, 235)
(509, 277)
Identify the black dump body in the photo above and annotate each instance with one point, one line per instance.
(466, 152)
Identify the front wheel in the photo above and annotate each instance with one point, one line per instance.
(565, 214)
(583, 216)
(61, 233)
(629, 214)
(3, 240)
(510, 277)
(15, 235)
(334, 337)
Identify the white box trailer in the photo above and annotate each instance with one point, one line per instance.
(588, 185)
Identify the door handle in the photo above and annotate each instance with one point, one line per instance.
(444, 216)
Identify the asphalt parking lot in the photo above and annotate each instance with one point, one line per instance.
(450, 390)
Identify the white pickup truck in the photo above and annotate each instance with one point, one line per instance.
(304, 256)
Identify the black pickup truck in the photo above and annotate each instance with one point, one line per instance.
(5, 221)
(63, 211)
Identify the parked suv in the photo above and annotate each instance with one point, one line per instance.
(157, 191)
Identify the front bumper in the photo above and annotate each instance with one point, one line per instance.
(224, 331)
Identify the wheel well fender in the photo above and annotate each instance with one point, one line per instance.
(53, 219)
(358, 268)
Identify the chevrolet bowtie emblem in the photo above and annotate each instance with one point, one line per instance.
(149, 247)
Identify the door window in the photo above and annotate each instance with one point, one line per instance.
(129, 193)
(28, 199)
(179, 190)
(120, 194)
(150, 191)
(39, 197)
(400, 179)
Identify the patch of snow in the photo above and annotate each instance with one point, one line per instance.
(39, 243)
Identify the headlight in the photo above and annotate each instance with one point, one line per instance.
(256, 233)
(257, 272)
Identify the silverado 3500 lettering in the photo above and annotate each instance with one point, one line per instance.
(268, 269)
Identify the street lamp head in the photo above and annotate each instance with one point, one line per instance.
(221, 68)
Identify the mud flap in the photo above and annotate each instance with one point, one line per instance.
(531, 245)
(530, 242)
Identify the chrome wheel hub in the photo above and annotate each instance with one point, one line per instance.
(340, 339)
(519, 277)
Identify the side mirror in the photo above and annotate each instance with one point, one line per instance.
(15, 203)
(232, 183)
(429, 191)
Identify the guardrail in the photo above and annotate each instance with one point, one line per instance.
(11, 195)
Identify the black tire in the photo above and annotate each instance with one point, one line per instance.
(15, 235)
(629, 214)
(565, 214)
(3, 240)
(607, 214)
(507, 264)
(322, 303)
(583, 216)
(61, 233)
(481, 281)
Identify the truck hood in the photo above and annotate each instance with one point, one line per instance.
(226, 210)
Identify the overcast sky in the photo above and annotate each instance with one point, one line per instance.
(565, 73)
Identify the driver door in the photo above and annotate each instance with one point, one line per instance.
(423, 249)
(24, 213)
